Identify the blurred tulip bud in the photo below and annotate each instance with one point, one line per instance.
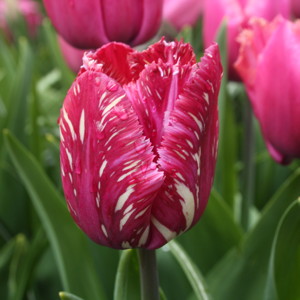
(139, 135)
(237, 14)
(90, 24)
(12, 10)
(269, 65)
(73, 56)
(295, 7)
(180, 13)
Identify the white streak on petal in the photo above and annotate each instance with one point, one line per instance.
(199, 123)
(114, 103)
(104, 230)
(141, 213)
(188, 203)
(125, 219)
(123, 198)
(102, 98)
(82, 126)
(126, 245)
(102, 168)
(166, 232)
(66, 117)
(144, 237)
(206, 97)
(131, 165)
(69, 155)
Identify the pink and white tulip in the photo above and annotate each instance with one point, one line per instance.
(90, 24)
(181, 13)
(139, 135)
(237, 13)
(269, 65)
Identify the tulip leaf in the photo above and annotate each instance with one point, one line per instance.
(226, 177)
(127, 284)
(68, 296)
(284, 271)
(191, 271)
(218, 222)
(242, 273)
(24, 263)
(68, 242)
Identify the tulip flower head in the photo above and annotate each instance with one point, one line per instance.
(237, 13)
(269, 65)
(139, 134)
(90, 24)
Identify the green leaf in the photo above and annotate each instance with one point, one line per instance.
(192, 273)
(242, 274)
(284, 272)
(127, 285)
(214, 235)
(68, 242)
(24, 263)
(68, 296)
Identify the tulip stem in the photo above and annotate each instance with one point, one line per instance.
(249, 166)
(148, 274)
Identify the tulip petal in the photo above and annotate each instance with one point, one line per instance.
(71, 22)
(152, 12)
(181, 104)
(112, 60)
(108, 173)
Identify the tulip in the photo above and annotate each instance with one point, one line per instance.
(91, 24)
(237, 13)
(72, 56)
(139, 133)
(181, 13)
(10, 11)
(295, 7)
(269, 65)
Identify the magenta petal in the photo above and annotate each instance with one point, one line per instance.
(69, 17)
(177, 106)
(108, 173)
(152, 14)
(118, 68)
(171, 53)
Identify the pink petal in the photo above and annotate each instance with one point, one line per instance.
(152, 14)
(118, 67)
(69, 17)
(181, 104)
(108, 173)
(181, 13)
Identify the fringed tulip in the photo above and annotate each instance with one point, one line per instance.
(180, 13)
(90, 24)
(139, 135)
(72, 56)
(270, 68)
(237, 14)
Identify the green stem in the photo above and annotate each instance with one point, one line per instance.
(148, 275)
(249, 166)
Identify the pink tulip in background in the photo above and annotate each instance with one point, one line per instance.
(180, 13)
(269, 65)
(10, 11)
(237, 14)
(72, 56)
(90, 24)
(139, 134)
(295, 7)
